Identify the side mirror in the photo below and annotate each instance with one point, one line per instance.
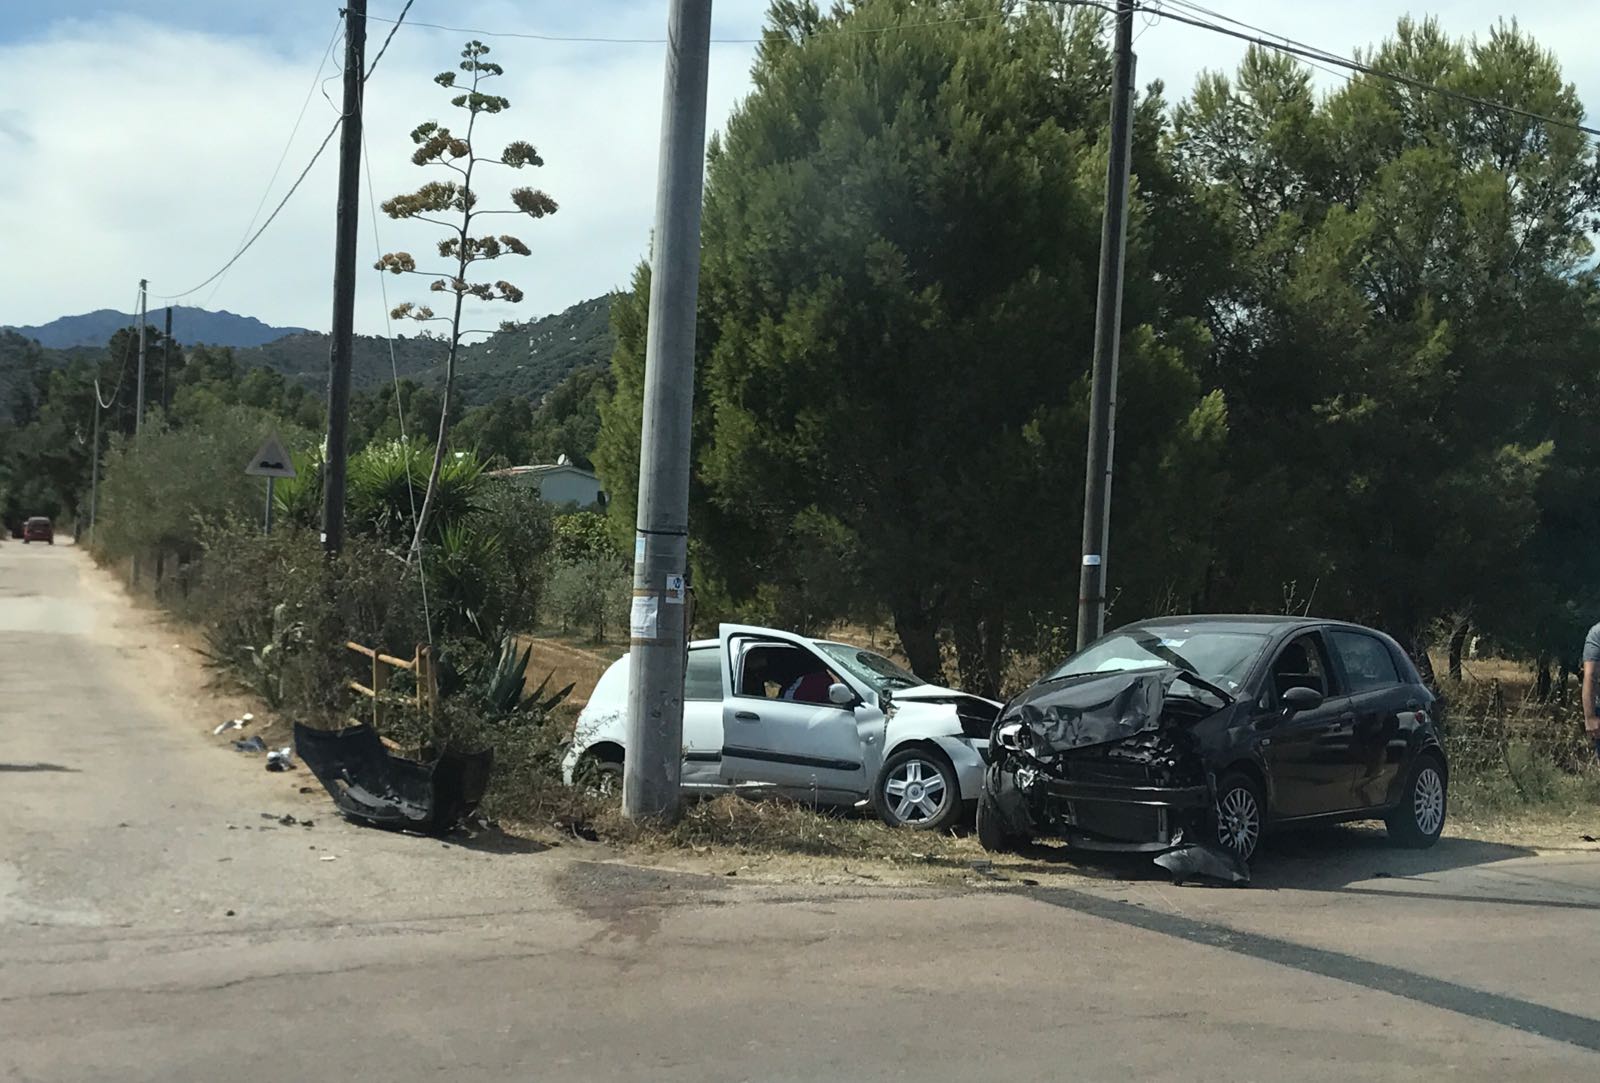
(840, 695)
(1300, 699)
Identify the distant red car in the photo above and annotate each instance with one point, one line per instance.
(38, 529)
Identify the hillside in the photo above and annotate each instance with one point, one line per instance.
(527, 362)
(190, 326)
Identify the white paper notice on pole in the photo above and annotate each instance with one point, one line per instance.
(643, 621)
(674, 594)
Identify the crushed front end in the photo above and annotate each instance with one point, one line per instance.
(1106, 762)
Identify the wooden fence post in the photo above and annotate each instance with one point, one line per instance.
(380, 681)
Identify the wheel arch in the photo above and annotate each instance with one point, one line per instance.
(925, 744)
(607, 750)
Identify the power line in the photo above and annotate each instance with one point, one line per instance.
(1311, 53)
(390, 37)
(284, 156)
(127, 351)
(287, 195)
(582, 39)
(394, 366)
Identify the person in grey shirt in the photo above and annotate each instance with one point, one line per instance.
(1591, 678)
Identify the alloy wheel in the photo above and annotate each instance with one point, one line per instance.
(1239, 821)
(1427, 801)
(916, 791)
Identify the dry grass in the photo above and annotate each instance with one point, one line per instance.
(569, 661)
(741, 825)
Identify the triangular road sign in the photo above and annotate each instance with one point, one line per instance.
(272, 461)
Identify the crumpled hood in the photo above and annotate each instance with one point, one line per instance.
(1096, 710)
(935, 694)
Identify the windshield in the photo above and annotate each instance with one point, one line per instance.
(874, 669)
(1220, 656)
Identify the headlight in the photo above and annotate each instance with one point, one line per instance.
(1009, 735)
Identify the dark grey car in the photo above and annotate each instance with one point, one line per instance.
(1212, 729)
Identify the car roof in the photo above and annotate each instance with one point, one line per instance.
(1254, 623)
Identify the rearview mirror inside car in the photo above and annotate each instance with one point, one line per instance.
(1301, 698)
(841, 696)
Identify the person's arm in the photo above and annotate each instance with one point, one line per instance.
(1591, 722)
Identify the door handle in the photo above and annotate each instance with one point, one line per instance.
(746, 716)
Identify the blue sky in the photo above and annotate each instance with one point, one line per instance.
(151, 158)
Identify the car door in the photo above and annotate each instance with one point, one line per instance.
(1308, 756)
(702, 719)
(801, 747)
(1378, 700)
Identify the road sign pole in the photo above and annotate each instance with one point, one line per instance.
(270, 482)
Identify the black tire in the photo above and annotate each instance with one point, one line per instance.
(1418, 820)
(1240, 814)
(929, 793)
(990, 827)
(603, 778)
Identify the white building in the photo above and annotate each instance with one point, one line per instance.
(558, 483)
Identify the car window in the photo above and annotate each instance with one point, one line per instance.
(1300, 664)
(703, 679)
(783, 671)
(1367, 663)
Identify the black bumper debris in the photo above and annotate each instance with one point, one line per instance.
(371, 784)
(1197, 862)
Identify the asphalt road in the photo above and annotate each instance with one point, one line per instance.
(154, 925)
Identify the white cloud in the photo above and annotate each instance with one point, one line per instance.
(148, 159)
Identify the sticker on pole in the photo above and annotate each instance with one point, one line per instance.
(674, 594)
(643, 622)
(272, 461)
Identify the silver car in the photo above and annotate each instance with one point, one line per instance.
(812, 719)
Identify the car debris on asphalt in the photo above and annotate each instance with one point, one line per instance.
(372, 785)
(251, 744)
(281, 759)
(1199, 862)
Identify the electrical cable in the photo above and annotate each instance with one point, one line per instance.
(578, 39)
(394, 372)
(1311, 53)
(287, 195)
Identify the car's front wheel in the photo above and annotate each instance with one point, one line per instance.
(1418, 820)
(917, 788)
(1238, 814)
(993, 835)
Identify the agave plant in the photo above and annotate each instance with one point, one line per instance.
(503, 690)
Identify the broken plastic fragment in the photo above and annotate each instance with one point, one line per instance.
(1197, 862)
(281, 760)
(251, 744)
(231, 724)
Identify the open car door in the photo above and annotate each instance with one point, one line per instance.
(799, 744)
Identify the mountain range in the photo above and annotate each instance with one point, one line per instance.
(527, 362)
(191, 326)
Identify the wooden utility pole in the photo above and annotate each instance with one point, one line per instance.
(138, 401)
(166, 364)
(346, 217)
(1107, 334)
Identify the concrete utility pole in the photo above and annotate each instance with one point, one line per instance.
(653, 765)
(138, 400)
(1107, 334)
(346, 218)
